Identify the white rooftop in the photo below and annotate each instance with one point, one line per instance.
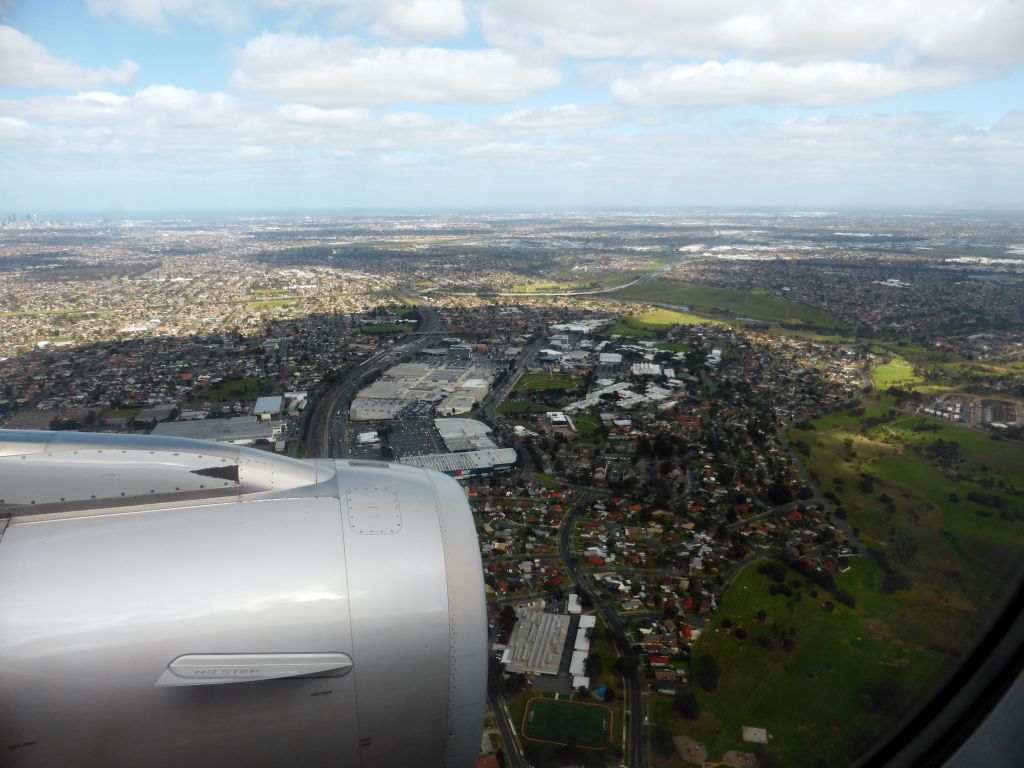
(536, 643)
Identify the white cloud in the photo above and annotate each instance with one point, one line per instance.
(423, 19)
(557, 119)
(306, 115)
(567, 155)
(715, 84)
(226, 14)
(406, 20)
(790, 30)
(340, 71)
(25, 62)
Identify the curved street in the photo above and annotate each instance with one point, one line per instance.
(631, 669)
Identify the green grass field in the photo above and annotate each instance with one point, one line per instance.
(941, 504)
(898, 372)
(837, 658)
(706, 299)
(546, 286)
(561, 722)
(586, 425)
(237, 389)
(648, 325)
(530, 381)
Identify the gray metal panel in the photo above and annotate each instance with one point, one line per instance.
(93, 610)
(467, 614)
(47, 472)
(97, 604)
(399, 611)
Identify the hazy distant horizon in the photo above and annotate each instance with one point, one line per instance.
(228, 214)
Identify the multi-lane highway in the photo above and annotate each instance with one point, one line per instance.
(325, 431)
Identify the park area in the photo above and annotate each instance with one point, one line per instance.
(535, 381)
(556, 721)
(648, 325)
(730, 302)
(898, 372)
(935, 509)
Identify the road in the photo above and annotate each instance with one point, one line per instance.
(631, 672)
(325, 431)
(513, 752)
(499, 393)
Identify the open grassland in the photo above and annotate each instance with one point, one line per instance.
(546, 286)
(586, 425)
(727, 301)
(848, 671)
(938, 510)
(648, 325)
(237, 389)
(898, 372)
(534, 381)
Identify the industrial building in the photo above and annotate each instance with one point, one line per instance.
(465, 463)
(267, 407)
(464, 434)
(238, 430)
(536, 643)
(450, 389)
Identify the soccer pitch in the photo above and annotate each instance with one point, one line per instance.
(559, 722)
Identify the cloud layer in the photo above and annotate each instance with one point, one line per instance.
(26, 63)
(341, 71)
(533, 102)
(715, 84)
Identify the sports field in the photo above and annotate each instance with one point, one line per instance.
(561, 722)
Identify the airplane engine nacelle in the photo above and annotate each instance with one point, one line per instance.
(174, 602)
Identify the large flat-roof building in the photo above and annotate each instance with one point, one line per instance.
(466, 463)
(464, 434)
(271, 405)
(536, 643)
(238, 430)
(451, 388)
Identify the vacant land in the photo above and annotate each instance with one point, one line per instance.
(898, 372)
(563, 722)
(237, 389)
(809, 664)
(529, 381)
(937, 512)
(729, 302)
(648, 325)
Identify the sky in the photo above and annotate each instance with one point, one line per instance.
(133, 106)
